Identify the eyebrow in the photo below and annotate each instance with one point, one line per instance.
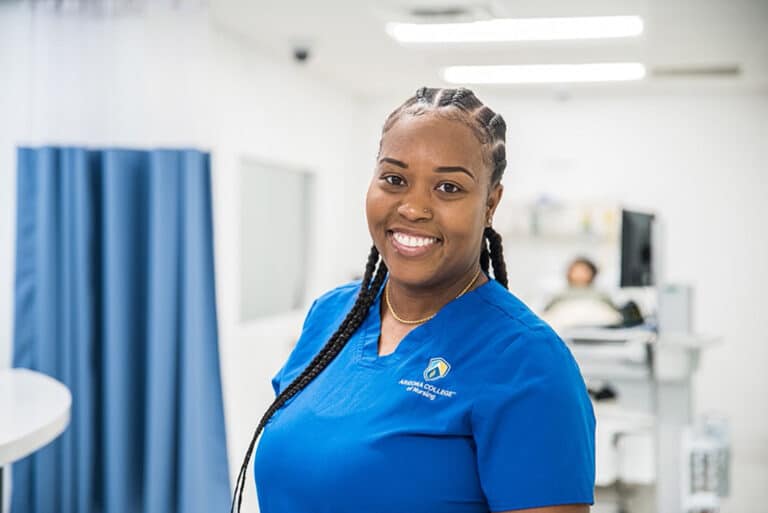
(441, 169)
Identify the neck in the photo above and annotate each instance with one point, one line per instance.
(416, 302)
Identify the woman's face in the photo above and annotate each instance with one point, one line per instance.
(429, 200)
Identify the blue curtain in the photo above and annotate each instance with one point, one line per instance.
(115, 298)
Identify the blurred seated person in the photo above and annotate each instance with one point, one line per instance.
(581, 304)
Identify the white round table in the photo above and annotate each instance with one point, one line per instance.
(34, 410)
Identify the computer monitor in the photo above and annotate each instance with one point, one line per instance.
(636, 249)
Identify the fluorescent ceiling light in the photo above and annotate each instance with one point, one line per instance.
(513, 29)
(544, 73)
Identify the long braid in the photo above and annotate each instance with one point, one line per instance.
(353, 320)
(485, 256)
(497, 256)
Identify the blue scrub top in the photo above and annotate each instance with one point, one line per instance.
(482, 408)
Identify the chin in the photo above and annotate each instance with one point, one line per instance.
(413, 275)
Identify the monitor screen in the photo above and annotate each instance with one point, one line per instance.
(636, 249)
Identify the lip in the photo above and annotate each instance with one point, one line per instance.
(414, 233)
(410, 251)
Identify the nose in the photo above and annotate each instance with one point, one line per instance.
(415, 208)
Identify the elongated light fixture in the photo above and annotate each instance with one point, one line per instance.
(544, 73)
(518, 29)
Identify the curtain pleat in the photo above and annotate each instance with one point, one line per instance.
(115, 297)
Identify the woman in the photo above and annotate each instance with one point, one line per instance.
(428, 387)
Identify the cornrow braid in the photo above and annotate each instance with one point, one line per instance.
(499, 156)
(444, 97)
(459, 94)
(484, 114)
(498, 127)
(425, 95)
(353, 320)
(468, 101)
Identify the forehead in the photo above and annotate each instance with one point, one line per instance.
(435, 139)
(581, 266)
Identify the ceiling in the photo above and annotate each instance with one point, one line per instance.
(686, 45)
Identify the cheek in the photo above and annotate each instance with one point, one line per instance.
(470, 220)
(465, 227)
(375, 207)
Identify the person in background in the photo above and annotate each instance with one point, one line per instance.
(582, 304)
(581, 273)
(427, 386)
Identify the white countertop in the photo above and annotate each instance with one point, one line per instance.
(34, 410)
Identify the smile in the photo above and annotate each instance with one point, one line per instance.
(411, 245)
(411, 241)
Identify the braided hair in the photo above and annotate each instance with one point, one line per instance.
(489, 128)
(461, 105)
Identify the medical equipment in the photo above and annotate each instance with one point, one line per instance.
(644, 436)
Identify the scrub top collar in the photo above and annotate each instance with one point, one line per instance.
(367, 353)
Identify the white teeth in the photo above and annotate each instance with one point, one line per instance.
(414, 242)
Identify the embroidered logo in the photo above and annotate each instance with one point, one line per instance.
(436, 369)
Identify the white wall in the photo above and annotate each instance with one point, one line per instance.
(14, 117)
(13, 105)
(170, 78)
(701, 162)
(273, 113)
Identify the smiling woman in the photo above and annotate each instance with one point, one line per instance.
(427, 206)
(428, 386)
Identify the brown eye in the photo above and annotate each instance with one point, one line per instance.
(448, 187)
(393, 179)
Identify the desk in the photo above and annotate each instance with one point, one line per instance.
(34, 410)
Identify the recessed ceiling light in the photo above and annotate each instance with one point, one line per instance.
(544, 73)
(517, 29)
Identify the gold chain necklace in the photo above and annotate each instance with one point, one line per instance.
(425, 319)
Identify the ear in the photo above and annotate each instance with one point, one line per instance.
(494, 197)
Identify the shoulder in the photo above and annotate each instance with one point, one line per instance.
(522, 345)
(508, 306)
(333, 303)
(530, 373)
(326, 314)
(322, 319)
(509, 321)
